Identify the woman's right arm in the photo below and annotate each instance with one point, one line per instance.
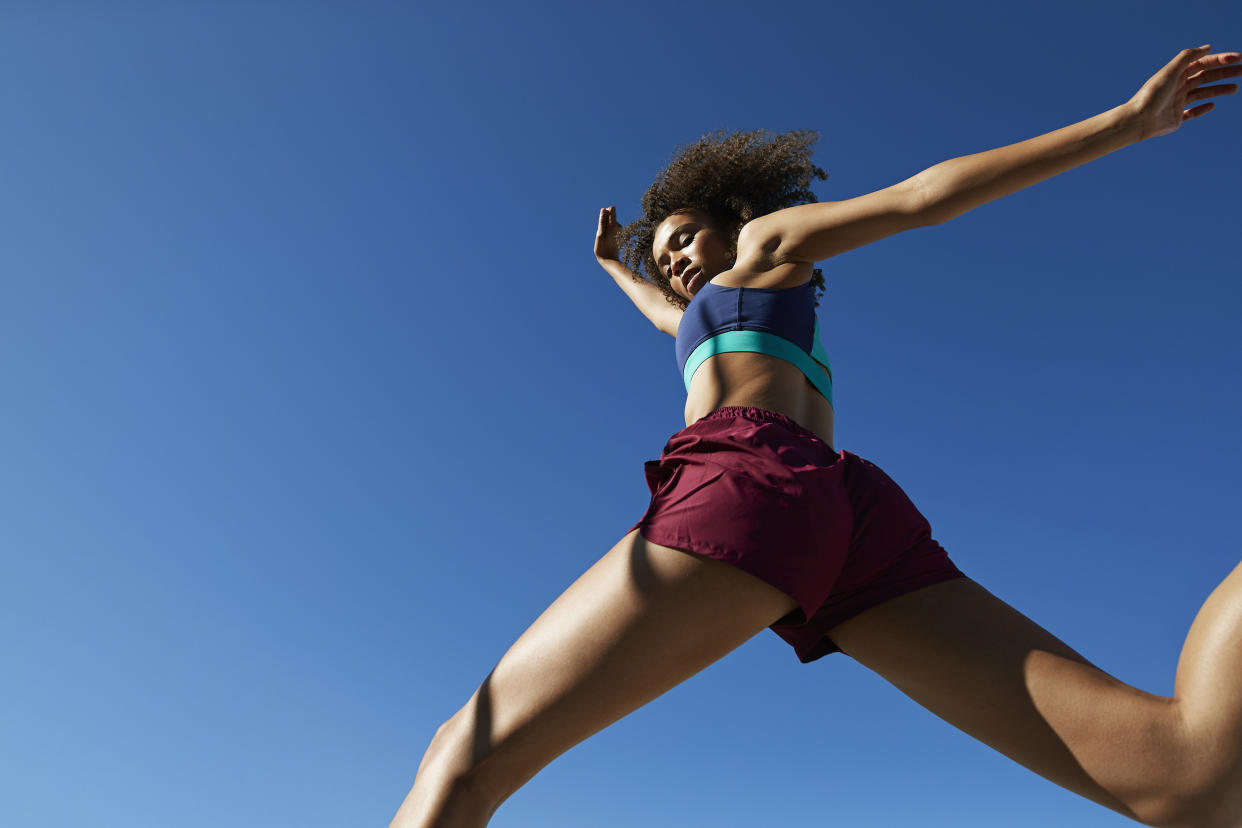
(648, 298)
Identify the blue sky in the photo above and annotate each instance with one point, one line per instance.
(314, 396)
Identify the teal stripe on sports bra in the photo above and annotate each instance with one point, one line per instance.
(762, 342)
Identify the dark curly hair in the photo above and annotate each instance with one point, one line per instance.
(733, 177)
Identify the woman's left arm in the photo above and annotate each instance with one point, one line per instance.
(811, 232)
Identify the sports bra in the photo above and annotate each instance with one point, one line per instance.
(779, 322)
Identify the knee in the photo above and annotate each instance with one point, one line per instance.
(443, 793)
(448, 755)
(453, 757)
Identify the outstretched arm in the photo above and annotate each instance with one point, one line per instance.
(647, 297)
(812, 232)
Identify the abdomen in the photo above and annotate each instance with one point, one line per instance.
(760, 381)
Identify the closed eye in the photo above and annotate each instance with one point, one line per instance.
(682, 238)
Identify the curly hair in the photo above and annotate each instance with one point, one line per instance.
(733, 177)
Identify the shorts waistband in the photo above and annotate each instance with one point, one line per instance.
(761, 415)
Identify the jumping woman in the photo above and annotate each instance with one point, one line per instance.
(756, 520)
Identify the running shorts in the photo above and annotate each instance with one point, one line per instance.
(755, 489)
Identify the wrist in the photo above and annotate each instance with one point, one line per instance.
(1131, 122)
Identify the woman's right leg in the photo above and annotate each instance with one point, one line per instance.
(981, 665)
(640, 621)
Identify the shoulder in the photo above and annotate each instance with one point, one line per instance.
(819, 230)
(761, 257)
(770, 240)
(760, 238)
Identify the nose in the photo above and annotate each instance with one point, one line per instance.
(680, 265)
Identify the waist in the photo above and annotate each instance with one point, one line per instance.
(762, 415)
(762, 382)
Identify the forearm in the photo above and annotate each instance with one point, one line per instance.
(638, 289)
(648, 298)
(960, 184)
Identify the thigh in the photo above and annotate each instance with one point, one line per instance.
(982, 666)
(640, 621)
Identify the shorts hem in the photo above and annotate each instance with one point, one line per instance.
(733, 558)
(814, 649)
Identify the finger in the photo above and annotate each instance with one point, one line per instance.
(1187, 58)
(1195, 112)
(1211, 91)
(1214, 75)
(1220, 59)
(1178, 66)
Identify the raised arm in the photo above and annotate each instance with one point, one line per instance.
(811, 232)
(648, 298)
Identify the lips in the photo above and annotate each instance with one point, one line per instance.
(692, 279)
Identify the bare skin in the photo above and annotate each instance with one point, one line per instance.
(645, 617)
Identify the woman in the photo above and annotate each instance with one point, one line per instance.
(756, 521)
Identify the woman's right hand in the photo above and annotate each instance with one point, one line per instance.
(608, 236)
(648, 298)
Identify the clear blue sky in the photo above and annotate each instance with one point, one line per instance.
(314, 397)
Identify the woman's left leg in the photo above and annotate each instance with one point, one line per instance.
(982, 666)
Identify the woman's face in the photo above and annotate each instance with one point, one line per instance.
(690, 249)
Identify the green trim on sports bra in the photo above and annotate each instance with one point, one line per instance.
(762, 342)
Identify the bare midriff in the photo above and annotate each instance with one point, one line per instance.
(760, 381)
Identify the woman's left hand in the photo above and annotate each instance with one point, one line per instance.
(1161, 105)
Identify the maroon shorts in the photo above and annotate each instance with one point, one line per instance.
(754, 489)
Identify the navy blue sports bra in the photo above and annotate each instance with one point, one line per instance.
(776, 322)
